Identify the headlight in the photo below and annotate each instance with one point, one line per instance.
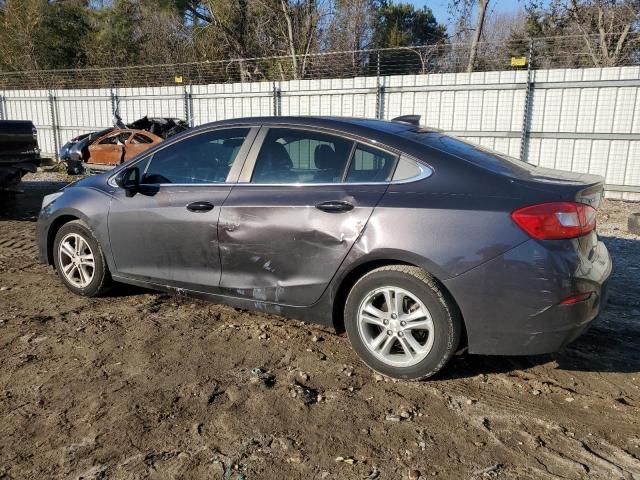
(48, 199)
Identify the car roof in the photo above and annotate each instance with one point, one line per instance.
(383, 130)
(347, 124)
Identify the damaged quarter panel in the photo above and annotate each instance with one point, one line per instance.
(443, 223)
(517, 296)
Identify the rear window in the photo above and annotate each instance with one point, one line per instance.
(483, 157)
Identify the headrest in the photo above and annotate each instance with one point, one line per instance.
(277, 155)
(325, 158)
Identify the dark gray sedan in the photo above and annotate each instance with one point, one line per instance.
(417, 243)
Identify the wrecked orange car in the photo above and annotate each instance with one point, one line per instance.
(119, 146)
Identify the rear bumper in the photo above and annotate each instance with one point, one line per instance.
(512, 304)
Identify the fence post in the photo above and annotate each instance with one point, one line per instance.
(379, 91)
(277, 100)
(114, 103)
(188, 107)
(53, 110)
(2, 107)
(526, 115)
(380, 101)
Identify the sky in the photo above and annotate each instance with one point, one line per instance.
(441, 12)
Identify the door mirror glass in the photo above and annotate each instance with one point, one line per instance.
(129, 180)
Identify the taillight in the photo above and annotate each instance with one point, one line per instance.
(556, 220)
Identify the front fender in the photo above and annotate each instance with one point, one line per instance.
(91, 205)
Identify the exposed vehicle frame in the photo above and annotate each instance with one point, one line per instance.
(76, 153)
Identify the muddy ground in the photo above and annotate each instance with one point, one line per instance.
(145, 385)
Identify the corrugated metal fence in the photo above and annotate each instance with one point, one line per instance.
(585, 120)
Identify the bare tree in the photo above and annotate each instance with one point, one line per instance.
(18, 25)
(463, 9)
(473, 53)
(609, 23)
(290, 40)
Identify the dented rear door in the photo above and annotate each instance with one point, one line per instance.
(276, 245)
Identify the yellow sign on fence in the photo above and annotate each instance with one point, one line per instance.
(178, 78)
(518, 61)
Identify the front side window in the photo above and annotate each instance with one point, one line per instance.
(203, 158)
(370, 165)
(301, 156)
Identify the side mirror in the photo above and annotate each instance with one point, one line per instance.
(129, 180)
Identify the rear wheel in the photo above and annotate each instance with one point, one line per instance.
(79, 260)
(400, 322)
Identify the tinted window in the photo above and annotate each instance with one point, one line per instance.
(408, 169)
(370, 165)
(203, 158)
(300, 156)
(473, 153)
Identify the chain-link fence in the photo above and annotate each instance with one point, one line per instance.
(515, 54)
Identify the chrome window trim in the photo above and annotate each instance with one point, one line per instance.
(425, 172)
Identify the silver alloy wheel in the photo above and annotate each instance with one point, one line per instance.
(395, 326)
(76, 260)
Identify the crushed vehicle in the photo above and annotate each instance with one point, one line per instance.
(19, 151)
(111, 146)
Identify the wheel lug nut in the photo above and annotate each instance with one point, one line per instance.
(403, 324)
(400, 334)
(389, 332)
(385, 321)
(394, 316)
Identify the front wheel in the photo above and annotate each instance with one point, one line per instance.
(400, 322)
(79, 260)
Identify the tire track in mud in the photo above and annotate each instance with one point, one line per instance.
(546, 447)
(17, 240)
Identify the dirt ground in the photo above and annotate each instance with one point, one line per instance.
(145, 385)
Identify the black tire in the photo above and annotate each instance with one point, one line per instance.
(444, 313)
(101, 281)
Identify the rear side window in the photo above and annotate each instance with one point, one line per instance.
(301, 156)
(203, 158)
(370, 165)
(480, 156)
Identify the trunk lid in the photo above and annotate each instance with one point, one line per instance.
(563, 185)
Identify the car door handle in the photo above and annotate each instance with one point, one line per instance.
(335, 206)
(200, 207)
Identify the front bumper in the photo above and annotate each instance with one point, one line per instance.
(512, 304)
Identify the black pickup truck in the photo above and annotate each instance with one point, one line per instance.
(19, 151)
